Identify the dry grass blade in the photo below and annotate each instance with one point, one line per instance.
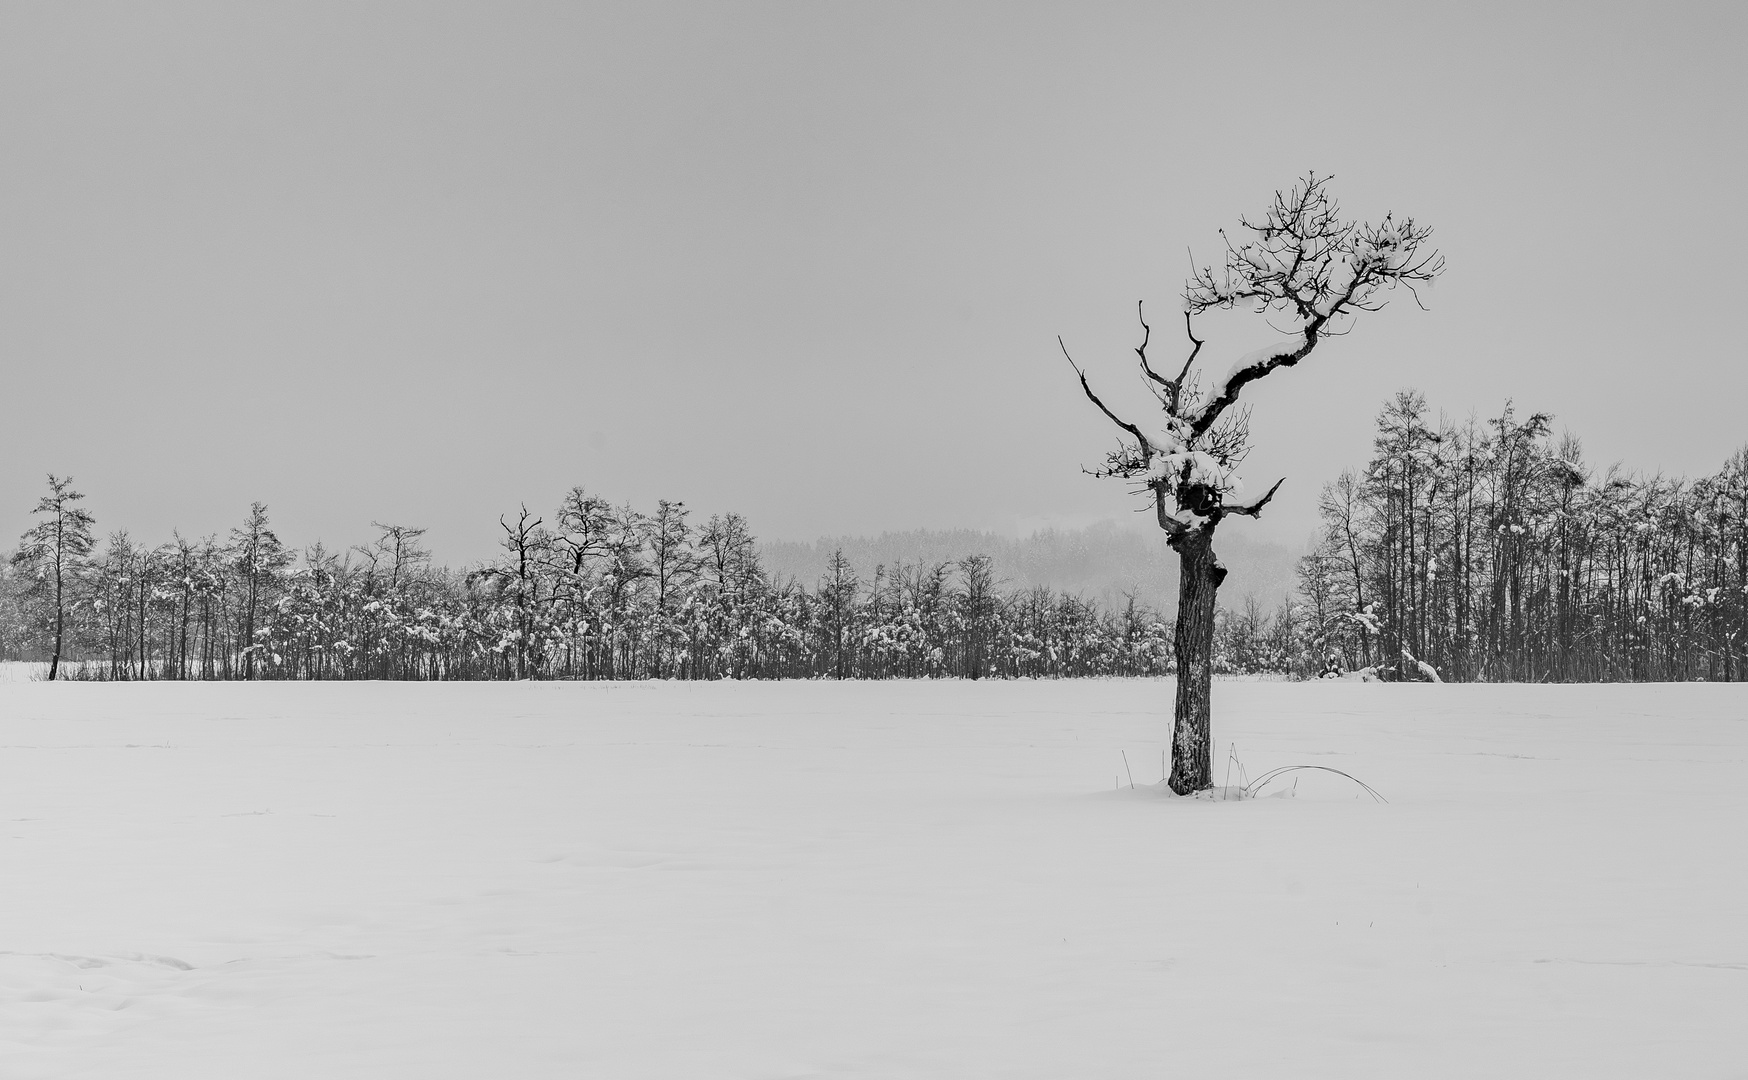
(1274, 774)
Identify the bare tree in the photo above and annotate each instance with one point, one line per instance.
(674, 565)
(837, 604)
(1300, 263)
(977, 605)
(624, 571)
(53, 550)
(731, 567)
(257, 555)
(517, 577)
(182, 556)
(396, 552)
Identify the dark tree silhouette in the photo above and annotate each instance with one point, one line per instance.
(1300, 263)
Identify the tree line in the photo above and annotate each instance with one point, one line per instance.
(591, 591)
(1490, 550)
(1484, 550)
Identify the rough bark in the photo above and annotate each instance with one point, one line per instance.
(60, 604)
(1192, 767)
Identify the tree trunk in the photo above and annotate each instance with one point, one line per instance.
(249, 629)
(1192, 767)
(60, 615)
(182, 648)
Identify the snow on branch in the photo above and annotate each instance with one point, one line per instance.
(1300, 260)
(1247, 369)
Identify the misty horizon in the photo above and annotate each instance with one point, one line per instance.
(809, 264)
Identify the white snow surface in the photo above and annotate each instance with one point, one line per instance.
(868, 879)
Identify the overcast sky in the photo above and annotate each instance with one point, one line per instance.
(422, 262)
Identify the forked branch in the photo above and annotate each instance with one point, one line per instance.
(1141, 350)
(1177, 384)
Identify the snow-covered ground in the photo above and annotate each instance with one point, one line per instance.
(875, 880)
(22, 671)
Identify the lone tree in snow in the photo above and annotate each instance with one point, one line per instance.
(1300, 263)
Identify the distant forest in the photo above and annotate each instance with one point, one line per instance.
(592, 590)
(1489, 550)
(1486, 550)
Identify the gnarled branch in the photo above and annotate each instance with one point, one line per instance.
(1255, 509)
(1227, 395)
(1167, 520)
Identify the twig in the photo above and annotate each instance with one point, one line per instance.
(1146, 447)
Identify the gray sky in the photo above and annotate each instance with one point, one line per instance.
(420, 262)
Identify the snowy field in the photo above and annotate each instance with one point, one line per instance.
(868, 880)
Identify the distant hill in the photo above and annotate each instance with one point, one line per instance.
(1100, 562)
